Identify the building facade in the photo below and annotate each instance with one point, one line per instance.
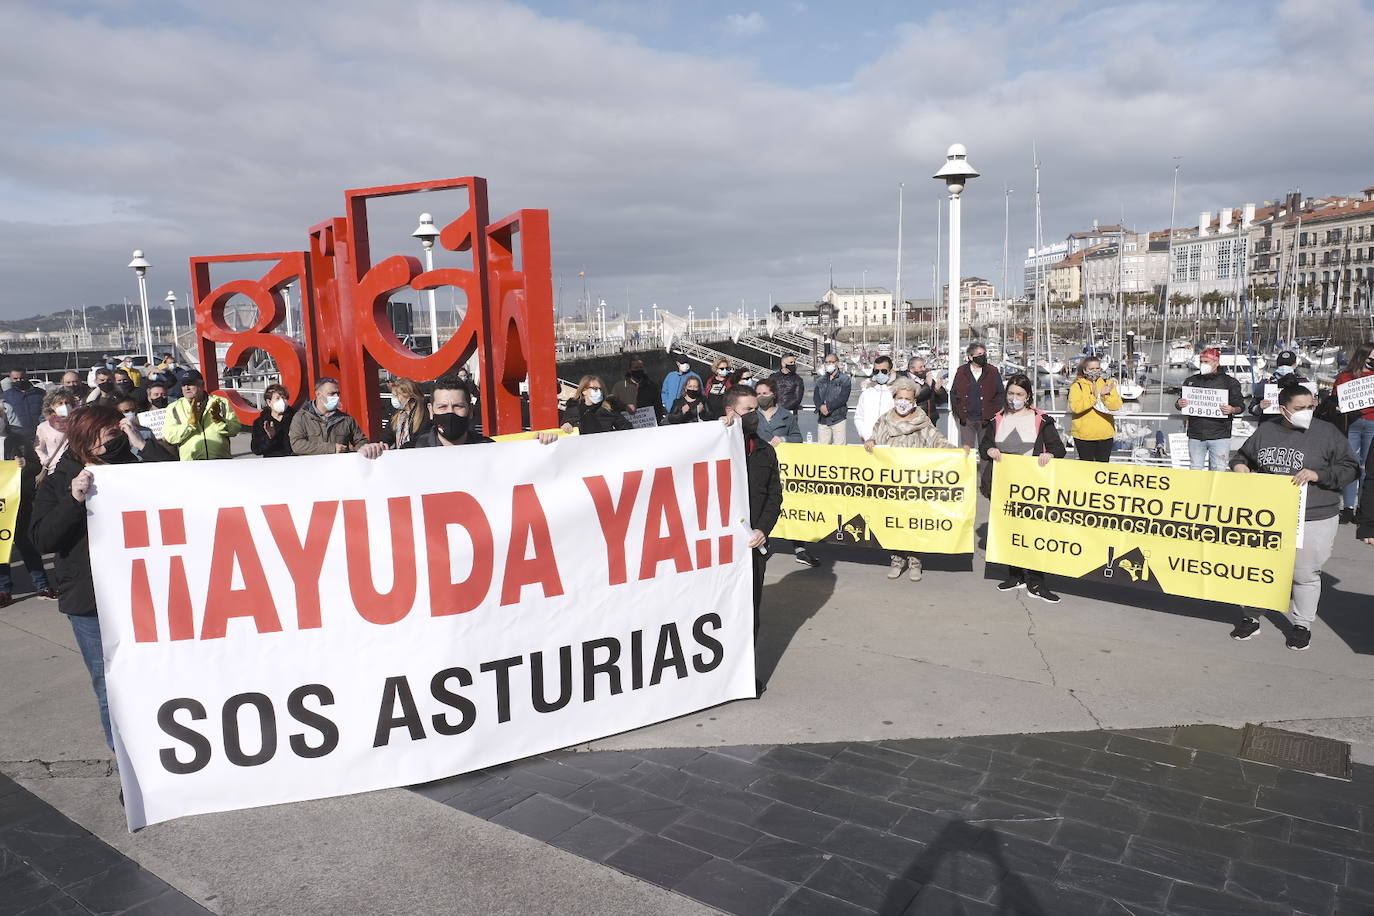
(1315, 254)
(1038, 261)
(858, 306)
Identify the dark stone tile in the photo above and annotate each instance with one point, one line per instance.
(723, 801)
(1163, 735)
(656, 860)
(1155, 798)
(943, 775)
(1225, 787)
(1349, 843)
(676, 757)
(747, 752)
(1244, 818)
(22, 888)
(63, 905)
(826, 750)
(874, 757)
(926, 827)
(1103, 812)
(602, 763)
(869, 812)
(1150, 750)
(1298, 860)
(806, 902)
(793, 762)
(20, 807)
(933, 900)
(1096, 740)
(930, 798)
(732, 888)
(1002, 815)
(59, 849)
(711, 834)
(782, 859)
(1217, 739)
(540, 817)
(594, 838)
(970, 873)
(930, 748)
(621, 803)
(1177, 862)
(892, 854)
(556, 779)
(728, 770)
(863, 886)
(1084, 782)
(1202, 837)
(988, 761)
(172, 903)
(488, 799)
(1068, 755)
(1187, 900)
(118, 889)
(1033, 895)
(1021, 856)
(1089, 839)
(1007, 743)
(793, 823)
(1139, 769)
(1312, 783)
(1352, 902)
(441, 790)
(1118, 882)
(1309, 806)
(1269, 885)
(1030, 794)
(860, 779)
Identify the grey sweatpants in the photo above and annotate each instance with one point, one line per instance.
(1318, 541)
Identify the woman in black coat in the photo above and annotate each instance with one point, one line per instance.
(272, 428)
(95, 435)
(691, 406)
(588, 413)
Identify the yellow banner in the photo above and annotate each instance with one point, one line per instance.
(1205, 534)
(9, 506)
(918, 499)
(530, 434)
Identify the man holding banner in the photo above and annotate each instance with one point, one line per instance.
(1315, 455)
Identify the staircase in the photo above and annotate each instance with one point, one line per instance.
(756, 341)
(710, 357)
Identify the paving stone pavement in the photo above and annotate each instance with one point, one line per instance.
(1095, 823)
(49, 866)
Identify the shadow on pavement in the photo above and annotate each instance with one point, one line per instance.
(787, 605)
(1349, 615)
(961, 855)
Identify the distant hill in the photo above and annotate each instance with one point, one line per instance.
(98, 318)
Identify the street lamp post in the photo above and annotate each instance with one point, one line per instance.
(955, 173)
(171, 301)
(139, 265)
(427, 233)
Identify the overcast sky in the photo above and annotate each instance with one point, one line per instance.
(689, 152)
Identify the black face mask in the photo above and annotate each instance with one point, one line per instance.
(1369, 364)
(981, 359)
(920, 375)
(750, 422)
(690, 394)
(117, 451)
(157, 403)
(21, 384)
(106, 387)
(452, 426)
(636, 374)
(123, 387)
(788, 367)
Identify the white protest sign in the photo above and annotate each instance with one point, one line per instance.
(1271, 394)
(1356, 394)
(643, 418)
(314, 626)
(1204, 402)
(153, 420)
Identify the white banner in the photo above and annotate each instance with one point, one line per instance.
(1271, 394)
(1356, 394)
(1204, 402)
(307, 627)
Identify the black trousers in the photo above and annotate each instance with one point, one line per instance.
(1093, 449)
(760, 563)
(1029, 576)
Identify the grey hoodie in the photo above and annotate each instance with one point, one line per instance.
(1277, 448)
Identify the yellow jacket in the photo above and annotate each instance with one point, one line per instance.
(203, 437)
(1089, 423)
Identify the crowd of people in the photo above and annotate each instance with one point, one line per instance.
(57, 435)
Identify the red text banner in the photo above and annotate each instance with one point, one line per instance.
(359, 624)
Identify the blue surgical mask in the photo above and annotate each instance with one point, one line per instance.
(594, 395)
(1281, 371)
(331, 402)
(882, 378)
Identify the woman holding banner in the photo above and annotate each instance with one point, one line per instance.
(1093, 401)
(906, 427)
(96, 435)
(588, 412)
(1020, 429)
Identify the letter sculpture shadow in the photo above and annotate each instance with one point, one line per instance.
(508, 326)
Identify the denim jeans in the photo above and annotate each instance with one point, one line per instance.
(1361, 436)
(1203, 451)
(33, 561)
(87, 630)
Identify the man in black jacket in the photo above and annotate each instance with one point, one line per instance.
(932, 395)
(765, 482)
(1209, 438)
(788, 385)
(1285, 374)
(450, 417)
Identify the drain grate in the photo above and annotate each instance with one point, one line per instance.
(1308, 753)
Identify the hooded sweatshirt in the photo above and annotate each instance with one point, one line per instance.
(1278, 448)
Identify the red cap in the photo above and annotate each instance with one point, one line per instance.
(1212, 353)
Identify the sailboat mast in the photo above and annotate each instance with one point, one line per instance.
(899, 315)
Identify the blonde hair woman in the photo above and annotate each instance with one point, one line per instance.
(408, 402)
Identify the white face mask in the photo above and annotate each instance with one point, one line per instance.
(1302, 419)
(723, 371)
(881, 378)
(831, 367)
(278, 405)
(903, 406)
(1209, 368)
(61, 410)
(1094, 374)
(331, 402)
(684, 367)
(594, 395)
(396, 403)
(1016, 404)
